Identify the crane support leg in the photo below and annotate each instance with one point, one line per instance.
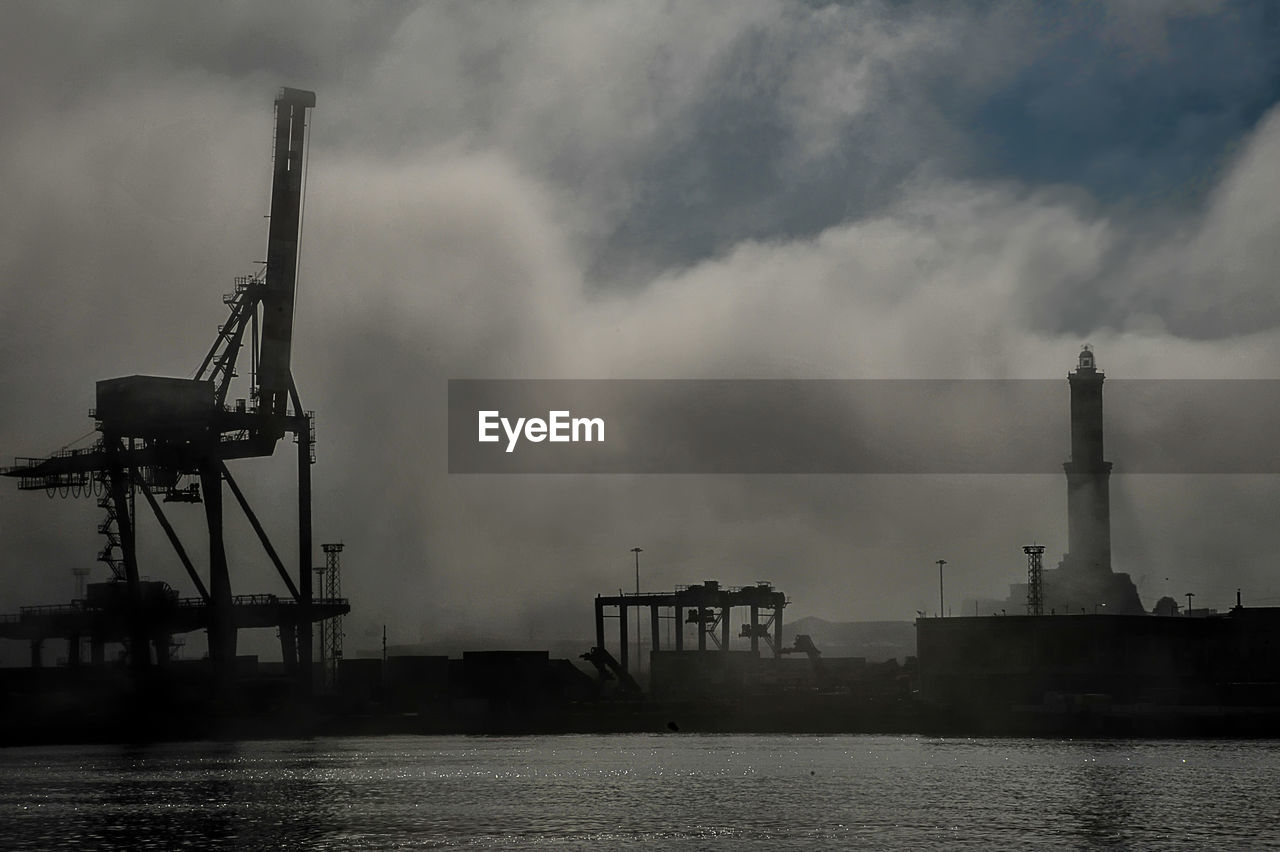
(599, 623)
(222, 628)
(289, 646)
(777, 632)
(623, 647)
(304, 541)
(163, 641)
(139, 636)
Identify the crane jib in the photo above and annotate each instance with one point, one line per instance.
(282, 249)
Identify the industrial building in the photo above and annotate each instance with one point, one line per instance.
(1228, 659)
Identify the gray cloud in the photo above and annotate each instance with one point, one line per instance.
(618, 190)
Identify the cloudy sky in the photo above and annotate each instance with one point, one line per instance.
(753, 189)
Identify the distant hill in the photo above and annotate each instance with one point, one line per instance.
(875, 640)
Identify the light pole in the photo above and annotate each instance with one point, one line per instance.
(639, 659)
(1190, 595)
(942, 610)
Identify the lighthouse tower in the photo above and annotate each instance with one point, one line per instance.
(1088, 475)
(1084, 580)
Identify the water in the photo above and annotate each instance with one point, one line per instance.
(676, 791)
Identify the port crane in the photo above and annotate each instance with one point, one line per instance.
(173, 437)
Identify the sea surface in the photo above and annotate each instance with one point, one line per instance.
(673, 791)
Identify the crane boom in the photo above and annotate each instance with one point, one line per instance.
(282, 250)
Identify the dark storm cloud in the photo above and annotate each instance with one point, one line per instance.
(62, 53)
(599, 190)
(1130, 103)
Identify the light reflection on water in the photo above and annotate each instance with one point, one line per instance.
(641, 792)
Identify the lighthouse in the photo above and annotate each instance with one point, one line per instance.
(1084, 579)
(1088, 475)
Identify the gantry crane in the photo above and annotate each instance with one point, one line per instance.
(175, 435)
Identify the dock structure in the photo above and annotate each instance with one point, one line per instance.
(706, 606)
(104, 616)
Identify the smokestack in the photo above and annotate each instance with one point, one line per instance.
(1088, 475)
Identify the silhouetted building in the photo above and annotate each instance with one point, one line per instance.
(999, 662)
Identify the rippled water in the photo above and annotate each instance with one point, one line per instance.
(643, 792)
